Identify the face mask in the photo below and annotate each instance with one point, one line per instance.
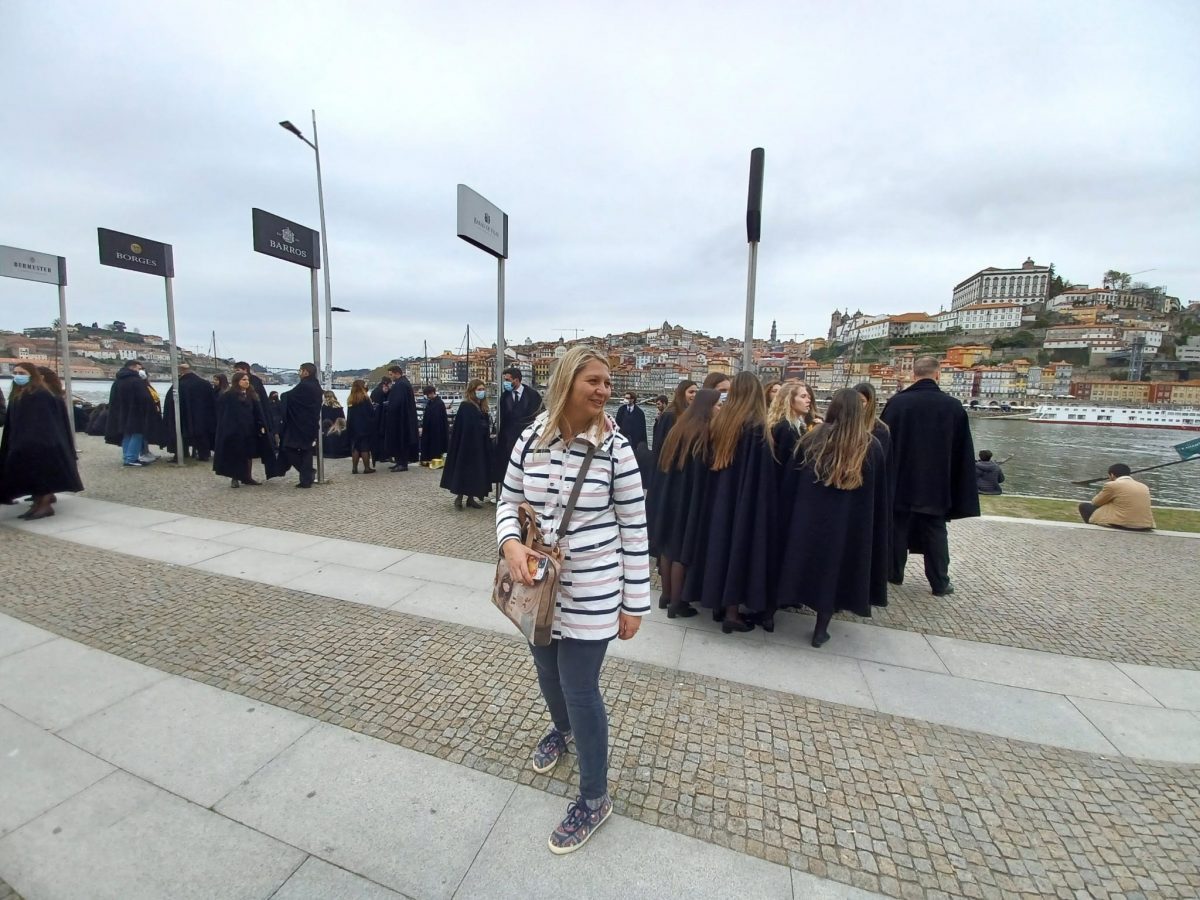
(21, 380)
(724, 396)
(142, 374)
(481, 395)
(508, 385)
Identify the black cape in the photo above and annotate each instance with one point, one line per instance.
(241, 436)
(361, 426)
(401, 438)
(632, 424)
(834, 554)
(260, 391)
(301, 415)
(197, 411)
(131, 409)
(662, 427)
(675, 509)
(468, 464)
(37, 453)
(435, 427)
(98, 421)
(515, 417)
(337, 443)
(932, 458)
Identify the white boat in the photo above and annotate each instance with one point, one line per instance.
(1182, 419)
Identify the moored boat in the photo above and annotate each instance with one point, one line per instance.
(1183, 419)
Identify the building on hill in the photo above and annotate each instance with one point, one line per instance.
(967, 355)
(989, 316)
(1030, 283)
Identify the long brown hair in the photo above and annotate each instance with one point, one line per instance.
(36, 381)
(474, 385)
(837, 449)
(249, 394)
(745, 407)
(810, 418)
(871, 407)
(689, 437)
(679, 402)
(52, 382)
(712, 379)
(358, 393)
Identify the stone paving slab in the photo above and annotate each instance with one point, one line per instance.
(405, 820)
(188, 738)
(82, 848)
(1173, 688)
(38, 771)
(318, 880)
(866, 642)
(204, 529)
(352, 553)
(271, 539)
(870, 800)
(261, 566)
(16, 635)
(1167, 734)
(355, 585)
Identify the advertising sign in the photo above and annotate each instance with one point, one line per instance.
(482, 223)
(32, 266)
(284, 239)
(138, 254)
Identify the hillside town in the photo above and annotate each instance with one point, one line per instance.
(1008, 336)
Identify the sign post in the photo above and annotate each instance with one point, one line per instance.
(29, 265)
(485, 225)
(295, 243)
(127, 251)
(753, 236)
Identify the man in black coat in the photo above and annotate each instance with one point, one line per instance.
(132, 413)
(435, 427)
(519, 406)
(402, 439)
(197, 412)
(932, 464)
(301, 424)
(631, 421)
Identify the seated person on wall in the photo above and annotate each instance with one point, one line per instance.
(988, 475)
(1121, 503)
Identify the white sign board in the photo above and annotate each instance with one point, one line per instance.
(31, 266)
(482, 223)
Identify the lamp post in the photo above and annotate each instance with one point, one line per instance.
(316, 147)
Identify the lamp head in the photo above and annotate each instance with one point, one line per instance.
(288, 126)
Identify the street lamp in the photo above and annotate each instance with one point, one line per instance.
(316, 146)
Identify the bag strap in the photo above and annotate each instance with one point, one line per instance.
(570, 508)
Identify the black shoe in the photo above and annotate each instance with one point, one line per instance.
(718, 615)
(398, 468)
(458, 503)
(251, 481)
(819, 638)
(896, 581)
(473, 503)
(767, 624)
(663, 602)
(303, 485)
(731, 627)
(233, 482)
(680, 611)
(946, 591)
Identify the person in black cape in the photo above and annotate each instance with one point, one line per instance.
(133, 417)
(833, 555)
(788, 420)
(519, 405)
(631, 421)
(402, 438)
(469, 460)
(301, 425)
(260, 391)
(360, 427)
(675, 513)
(932, 469)
(435, 427)
(333, 427)
(685, 393)
(241, 433)
(739, 511)
(37, 449)
(379, 396)
(198, 415)
(274, 414)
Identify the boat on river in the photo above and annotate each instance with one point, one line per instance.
(1183, 419)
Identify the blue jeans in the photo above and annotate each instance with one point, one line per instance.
(569, 675)
(131, 447)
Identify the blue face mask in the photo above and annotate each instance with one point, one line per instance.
(20, 380)
(508, 385)
(481, 395)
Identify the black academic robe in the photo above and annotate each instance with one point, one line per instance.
(131, 409)
(662, 427)
(37, 450)
(786, 437)
(632, 424)
(675, 512)
(435, 427)
(834, 555)
(241, 435)
(402, 440)
(98, 421)
(301, 415)
(260, 391)
(469, 459)
(197, 410)
(515, 416)
(932, 456)
(337, 443)
(361, 426)
(739, 514)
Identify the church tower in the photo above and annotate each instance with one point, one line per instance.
(774, 333)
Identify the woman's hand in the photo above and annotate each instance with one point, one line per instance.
(517, 555)
(627, 626)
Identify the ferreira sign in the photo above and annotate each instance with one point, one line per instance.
(127, 251)
(482, 223)
(30, 265)
(286, 240)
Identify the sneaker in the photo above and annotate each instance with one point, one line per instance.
(549, 750)
(579, 824)
(135, 465)
(148, 458)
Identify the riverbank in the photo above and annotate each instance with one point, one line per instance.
(1049, 509)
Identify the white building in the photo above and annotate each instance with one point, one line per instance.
(989, 316)
(1028, 284)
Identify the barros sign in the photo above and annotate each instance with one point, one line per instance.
(286, 240)
(482, 223)
(32, 266)
(127, 251)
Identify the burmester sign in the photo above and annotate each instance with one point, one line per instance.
(284, 239)
(29, 265)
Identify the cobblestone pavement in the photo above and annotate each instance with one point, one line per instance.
(1108, 595)
(883, 803)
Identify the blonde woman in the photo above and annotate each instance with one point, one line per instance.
(605, 588)
(786, 418)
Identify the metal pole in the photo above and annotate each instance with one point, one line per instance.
(66, 352)
(174, 350)
(499, 335)
(751, 275)
(316, 331)
(324, 262)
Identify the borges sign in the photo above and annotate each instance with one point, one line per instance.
(126, 251)
(482, 223)
(32, 266)
(286, 240)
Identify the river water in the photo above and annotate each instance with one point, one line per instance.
(1045, 458)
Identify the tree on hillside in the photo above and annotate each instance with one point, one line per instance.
(1114, 279)
(1058, 284)
(116, 326)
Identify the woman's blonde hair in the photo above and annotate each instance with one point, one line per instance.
(330, 399)
(745, 408)
(558, 395)
(474, 385)
(837, 448)
(780, 410)
(358, 393)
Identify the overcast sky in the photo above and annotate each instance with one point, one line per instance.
(907, 146)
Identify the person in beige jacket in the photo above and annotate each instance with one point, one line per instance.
(1121, 503)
